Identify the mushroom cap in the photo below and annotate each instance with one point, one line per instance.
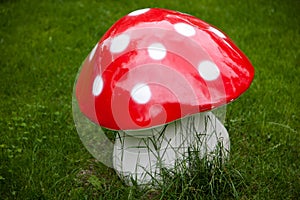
(154, 66)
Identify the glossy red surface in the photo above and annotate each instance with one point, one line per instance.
(154, 66)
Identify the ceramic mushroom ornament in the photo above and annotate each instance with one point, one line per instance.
(154, 77)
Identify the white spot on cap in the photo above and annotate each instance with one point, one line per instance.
(141, 93)
(119, 43)
(217, 32)
(97, 85)
(139, 12)
(185, 29)
(157, 51)
(208, 70)
(93, 52)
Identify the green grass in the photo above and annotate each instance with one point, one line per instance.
(42, 45)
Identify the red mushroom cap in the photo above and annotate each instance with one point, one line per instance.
(154, 66)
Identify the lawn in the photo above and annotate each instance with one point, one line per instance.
(43, 44)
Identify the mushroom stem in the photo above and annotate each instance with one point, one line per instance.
(141, 158)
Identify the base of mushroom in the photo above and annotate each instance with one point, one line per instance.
(140, 159)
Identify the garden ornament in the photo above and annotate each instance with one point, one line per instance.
(154, 79)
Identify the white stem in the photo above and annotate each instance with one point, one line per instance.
(143, 157)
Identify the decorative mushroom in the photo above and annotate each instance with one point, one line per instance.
(150, 76)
